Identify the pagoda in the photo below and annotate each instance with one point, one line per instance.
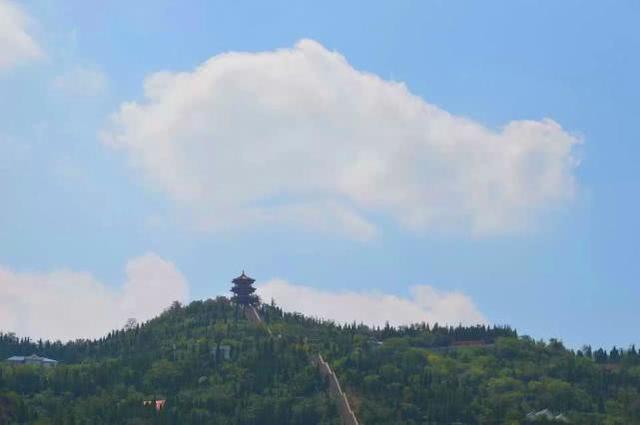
(243, 290)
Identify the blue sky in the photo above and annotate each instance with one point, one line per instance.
(71, 201)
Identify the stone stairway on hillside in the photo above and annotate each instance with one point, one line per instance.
(346, 413)
(335, 390)
(253, 316)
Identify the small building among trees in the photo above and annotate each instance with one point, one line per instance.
(32, 360)
(222, 352)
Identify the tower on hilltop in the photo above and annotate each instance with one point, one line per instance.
(243, 290)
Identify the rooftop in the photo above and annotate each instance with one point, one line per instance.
(243, 278)
(31, 358)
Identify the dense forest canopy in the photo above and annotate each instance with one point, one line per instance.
(418, 374)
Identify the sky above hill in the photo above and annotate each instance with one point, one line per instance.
(451, 162)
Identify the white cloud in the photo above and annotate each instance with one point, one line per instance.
(426, 304)
(16, 43)
(300, 136)
(82, 81)
(66, 304)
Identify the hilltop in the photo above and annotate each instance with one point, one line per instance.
(211, 365)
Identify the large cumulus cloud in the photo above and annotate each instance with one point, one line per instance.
(300, 136)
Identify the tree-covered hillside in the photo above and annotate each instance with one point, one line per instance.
(409, 375)
(473, 375)
(177, 357)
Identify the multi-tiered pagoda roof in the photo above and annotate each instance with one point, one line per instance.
(243, 290)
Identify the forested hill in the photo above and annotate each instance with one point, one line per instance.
(409, 375)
